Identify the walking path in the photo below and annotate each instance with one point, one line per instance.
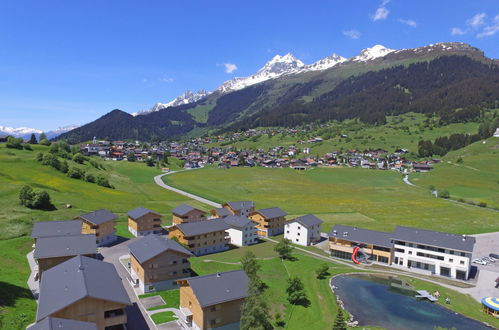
(158, 180)
(406, 180)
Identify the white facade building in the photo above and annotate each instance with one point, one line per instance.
(438, 253)
(242, 231)
(303, 230)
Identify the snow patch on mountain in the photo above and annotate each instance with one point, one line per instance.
(25, 132)
(276, 67)
(325, 63)
(372, 53)
(186, 98)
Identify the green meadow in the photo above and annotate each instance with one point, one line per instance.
(371, 199)
(470, 174)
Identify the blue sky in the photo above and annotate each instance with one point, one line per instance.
(70, 62)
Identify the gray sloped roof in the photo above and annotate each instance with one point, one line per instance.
(308, 220)
(272, 212)
(434, 238)
(359, 235)
(222, 212)
(53, 323)
(56, 228)
(220, 287)
(99, 217)
(140, 212)
(235, 221)
(183, 209)
(75, 279)
(241, 205)
(61, 246)
(202, 227)
(150, 246)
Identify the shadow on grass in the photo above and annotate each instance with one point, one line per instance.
(10, 293)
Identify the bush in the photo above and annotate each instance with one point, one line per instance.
(443, 194)
(482, 204)
(79, 158)
(44, 142)
(150, 162)
(76, 173)
(35, 200)
(51, 160)
(63, 166)
(39, 156)
(14, 143)
(102, 181)
(89, 177)
(26, 146)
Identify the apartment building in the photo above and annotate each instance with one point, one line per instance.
(270, 221)
(185, 213)
(101, 223)
(142, 222)
(242, 231)
(243, 208)
(156, 261)
(56, 228)
(303, 230)
(203, 237)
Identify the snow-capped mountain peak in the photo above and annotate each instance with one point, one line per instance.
(18, 131)
(326, 63)
(185, 98)
(372, 53)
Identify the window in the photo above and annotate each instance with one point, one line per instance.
(297, 239)
(298, 234)
(451, 260)
(298, 227)
(287, 231)
(461, 262)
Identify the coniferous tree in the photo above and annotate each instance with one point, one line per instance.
(339, 321)
(33, 140)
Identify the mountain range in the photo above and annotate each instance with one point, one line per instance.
(25, 132)
(449, 79)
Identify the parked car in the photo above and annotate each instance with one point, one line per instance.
(479, 262)
(494, 255)
(489, 259)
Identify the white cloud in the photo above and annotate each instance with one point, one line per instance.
(457, 31)
(230, 67)
(476, 21)
(167, 79)
(352, 34)
(382, 12)
(489, 31)
(409, 22)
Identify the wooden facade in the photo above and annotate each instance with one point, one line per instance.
(268, 226)
(238, 212)
(209, 317)
(146, 223)
(47, 263)
(192, 216)
(103, 230)
(378, 253)
(168, 265)
(101, 312)
(203, 243)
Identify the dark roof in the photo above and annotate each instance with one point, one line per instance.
(152, 245)
(241, 205)
(56, 228)
(61, 246)
(222, 212)
(220, 287)
(53, 323)
(140, 212)
(99, 217)
(235, 221)
(202, 227)
(183, 209)
(272, 212)
(308, 220)
(434, 238)
(358, 235)
(75, 279)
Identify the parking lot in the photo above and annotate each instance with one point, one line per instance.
(485, 244)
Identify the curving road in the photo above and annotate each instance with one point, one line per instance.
(158, 180)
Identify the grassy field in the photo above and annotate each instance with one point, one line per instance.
(403, 131)
(134, 187)
(170, 297)
(163, 317)
(476, 178)
(365, 198)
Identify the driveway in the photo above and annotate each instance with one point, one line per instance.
(160, 183)
(135, 313)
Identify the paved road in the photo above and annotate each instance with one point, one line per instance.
(159, 182)
(135, 313)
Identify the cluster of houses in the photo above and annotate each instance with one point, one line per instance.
(77, 286)
(196, 154)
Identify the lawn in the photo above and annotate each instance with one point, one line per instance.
(163, 317)
(475, 178)
(170, 297)
(372, 199)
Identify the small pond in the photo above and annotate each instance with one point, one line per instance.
(385, 302)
